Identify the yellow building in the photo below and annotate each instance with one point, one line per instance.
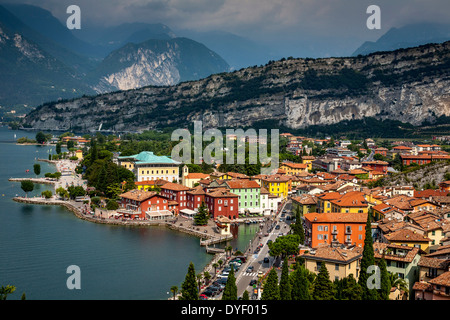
(292, 168)
(79, 154)
(406, 237)
(147, 166)
(340, 262)
(308, 161)
(350, 202)
(323, 201)
(277, 185)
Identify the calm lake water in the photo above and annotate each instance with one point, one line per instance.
(39, 243)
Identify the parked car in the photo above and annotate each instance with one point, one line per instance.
(277, 227)
(203, 297)
(266, 260)
(209, 293)
(252, 282)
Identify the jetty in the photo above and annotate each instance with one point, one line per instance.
(35, 180)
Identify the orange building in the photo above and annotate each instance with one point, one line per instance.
(335, 228)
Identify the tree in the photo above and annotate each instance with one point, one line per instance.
(207, 276)
(174, 290)
(367, 260)
(40, 137)
(297, 227)
(271, 289)
(230, 290)
(77, 191)
(245, 295)
(323, 287)
(58, 148)
(285, 245)
(47, 194)
(62, 193)
(397, 282)
(5, 291)
(285, 283)
(199, 281)
(27, 186)
(347, 289)
(385, 286)
(189, 290)
(202, 217)
(112, 205)
(70, 144)
(37, 169)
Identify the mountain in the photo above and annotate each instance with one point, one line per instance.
(238, 51)
(409, 85)
(108, 39)
(29, 74)
(63, 66)
(156, 62)
(412, 35)
(46, 24)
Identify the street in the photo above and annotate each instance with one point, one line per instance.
(256, 259)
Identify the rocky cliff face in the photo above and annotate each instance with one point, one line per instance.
(410, 85)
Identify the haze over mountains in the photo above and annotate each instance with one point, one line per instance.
(43, 61)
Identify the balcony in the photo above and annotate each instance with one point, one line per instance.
(334, 232)
(348, 231)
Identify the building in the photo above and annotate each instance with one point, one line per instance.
(421, 159)
(193, 178)
(377, 165)
(350, 202)
(335, 228)
(221, 202)
(175, 192)
(145, 205)
(409, 238)
(292, 168)
(306, 203)
(277, 185)
(194, 198)
(269, 202)
(402, 260)
(148, 166)
(308, 161)
(249, 192)
(430, 269)
(339, 261)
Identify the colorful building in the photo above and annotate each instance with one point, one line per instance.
(335, 228)
(293, 168)
(277, 185)
(147, 166)
(249, 192)
(222, 202)
(145, 205)
(340, 262)
(350, 202)
(175, 192)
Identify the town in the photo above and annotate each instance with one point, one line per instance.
(323, 197)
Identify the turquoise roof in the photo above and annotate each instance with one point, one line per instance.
(147, 157)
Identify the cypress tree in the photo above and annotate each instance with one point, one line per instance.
(323, 287)
(385, 286)
(367, 260)
(300, 284)
(285, 284)
(189, 290)
(230, 290)
(271, 289)
(351, 290)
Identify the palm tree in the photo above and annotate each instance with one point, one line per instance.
(207, 276)
(228, 249)
(215, 265)
(398, 282)
(174, 290)
(199, 280)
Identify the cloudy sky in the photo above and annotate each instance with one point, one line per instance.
(276, 21)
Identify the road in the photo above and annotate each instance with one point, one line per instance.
(256, 259)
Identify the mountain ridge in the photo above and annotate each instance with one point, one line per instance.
(411, 85)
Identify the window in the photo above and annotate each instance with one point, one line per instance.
(319, 228)
(325, 228)
(320, 237)
(336, 267)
